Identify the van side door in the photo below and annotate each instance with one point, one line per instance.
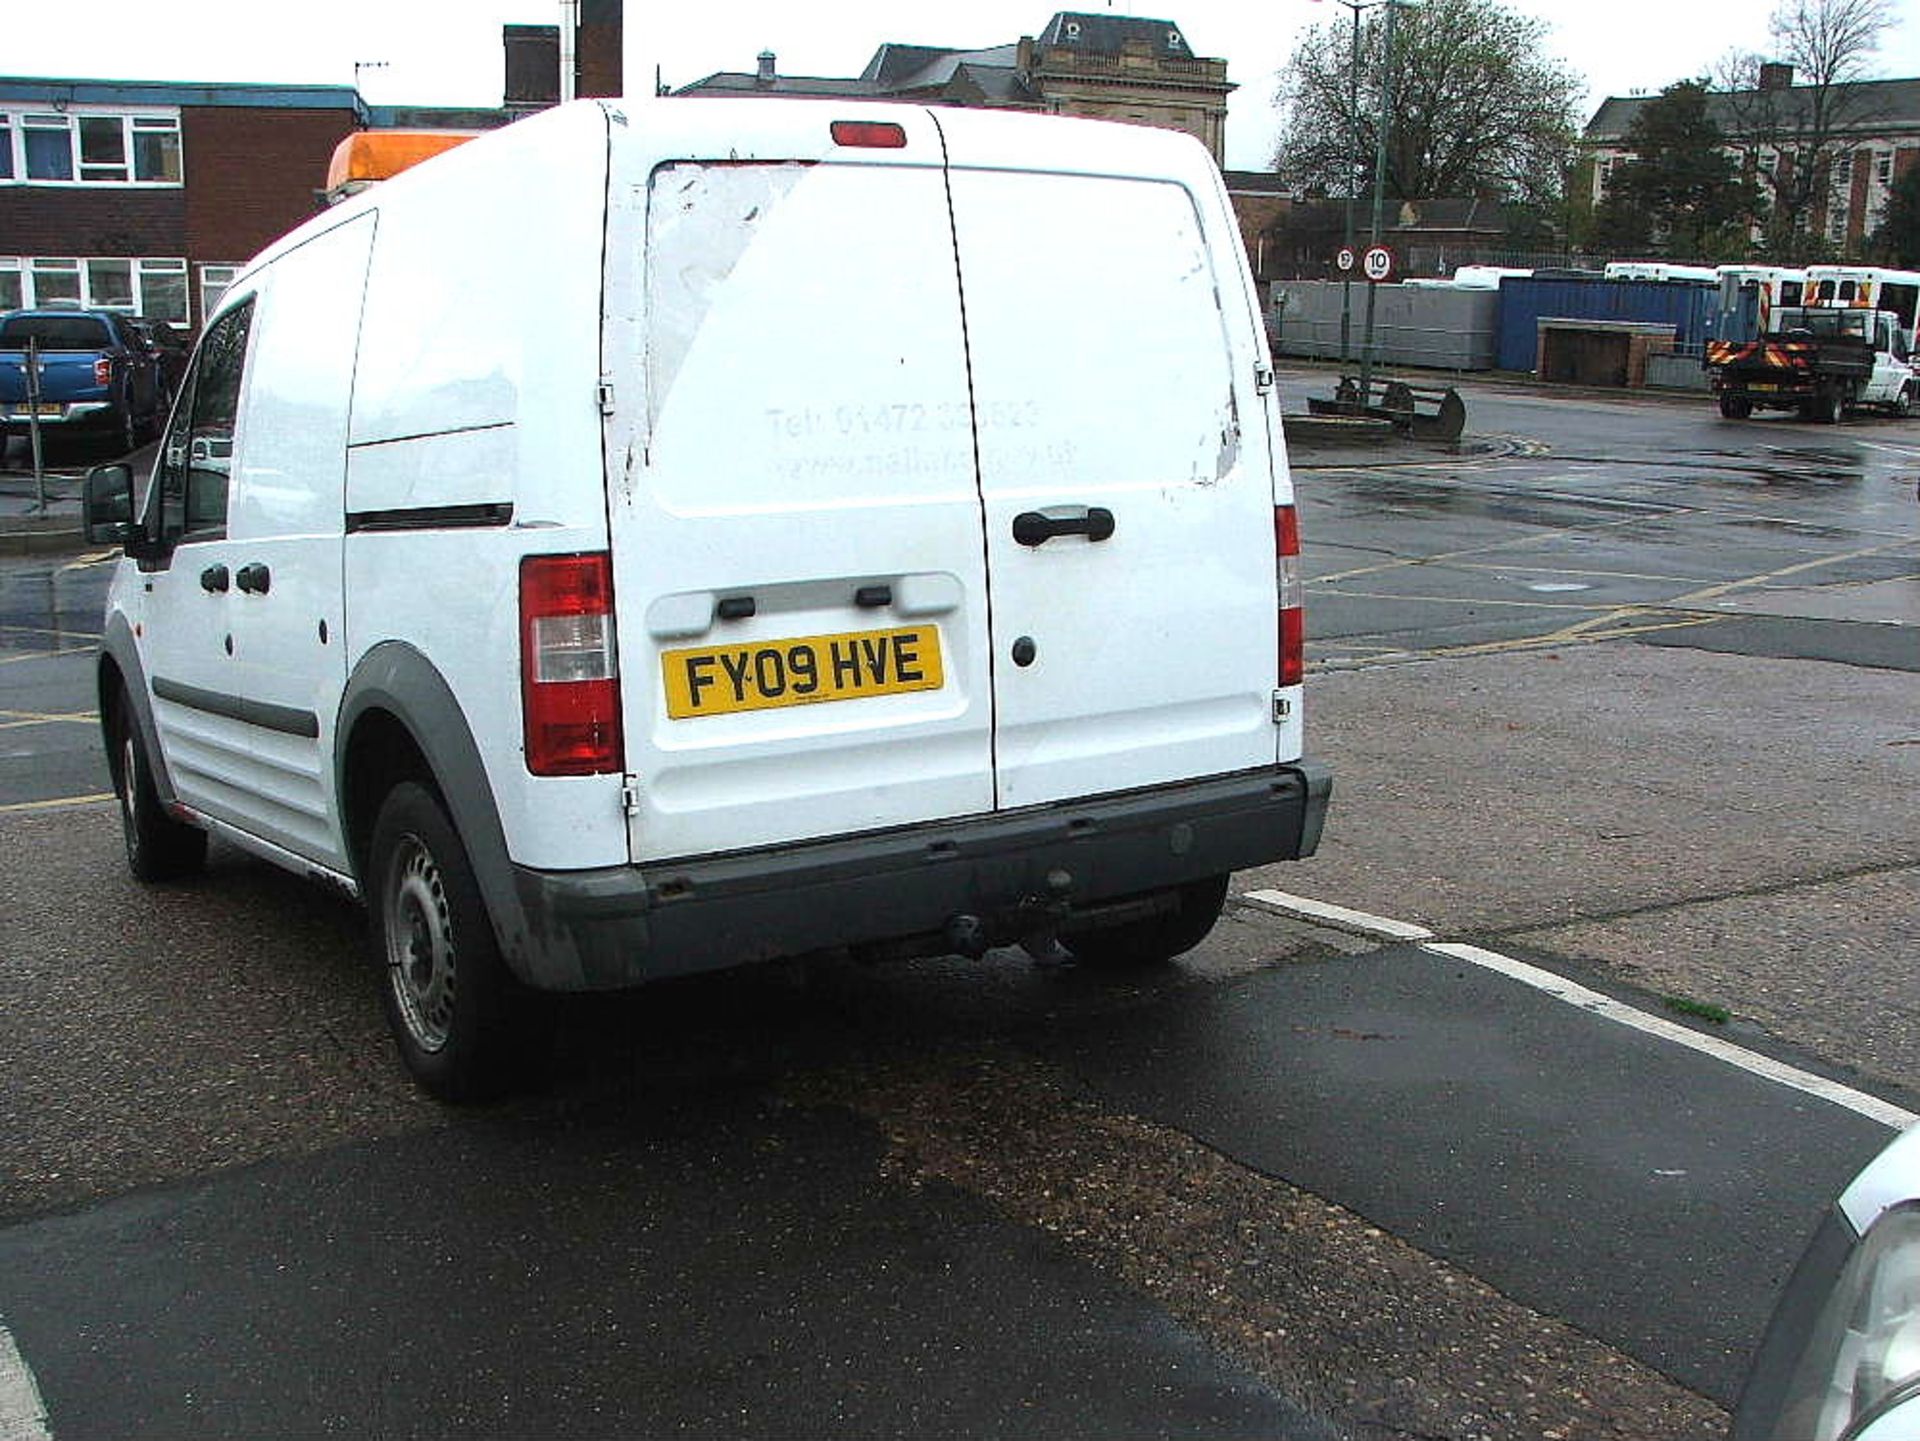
(286, 615)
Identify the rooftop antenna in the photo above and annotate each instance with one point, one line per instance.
(360, 65)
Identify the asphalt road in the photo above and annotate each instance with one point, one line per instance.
(1619, 688)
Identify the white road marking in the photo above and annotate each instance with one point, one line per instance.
(1593, 1002)
(1281, 903)
(23, 1415)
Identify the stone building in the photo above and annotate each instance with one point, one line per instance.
(1100, 66)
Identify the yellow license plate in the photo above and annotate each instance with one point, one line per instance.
(803, 670)
(1763, 385)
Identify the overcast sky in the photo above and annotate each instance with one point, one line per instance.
(447, 52)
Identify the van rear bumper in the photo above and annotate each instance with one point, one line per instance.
(897, 890)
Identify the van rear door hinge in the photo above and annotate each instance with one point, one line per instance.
(630, 795)
(1282, 707)
(1263, 379)
(604, 393)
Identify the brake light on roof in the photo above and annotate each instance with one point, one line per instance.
(569, 672)
(1293, 615)
(869, 134)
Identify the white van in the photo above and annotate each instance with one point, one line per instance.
(659, 536)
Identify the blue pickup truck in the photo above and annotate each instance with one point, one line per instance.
(98, 376)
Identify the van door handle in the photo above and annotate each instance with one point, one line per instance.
(214, 578)
(255, 579)
(1033, 527)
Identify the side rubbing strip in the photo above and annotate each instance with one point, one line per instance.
(285, 719)
(432, 517)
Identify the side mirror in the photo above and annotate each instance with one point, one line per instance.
(107, 506)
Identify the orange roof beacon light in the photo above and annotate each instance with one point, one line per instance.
(367, 156)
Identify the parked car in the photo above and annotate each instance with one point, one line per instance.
(1841, 1357)
(746, 595)
(98, 377)
(170, 346)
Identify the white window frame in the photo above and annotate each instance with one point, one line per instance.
(1883, 169)
(135, 121)
(142, 270)
(215, 280)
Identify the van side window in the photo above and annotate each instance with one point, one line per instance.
(196, 461)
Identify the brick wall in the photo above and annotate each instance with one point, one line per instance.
(251, 175)
(92, 221)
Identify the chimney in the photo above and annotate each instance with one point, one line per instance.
(533, 67)
(601, 48)
(1776, 75)
(765, 76)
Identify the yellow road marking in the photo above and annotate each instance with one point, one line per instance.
(1529, 539)
(1727, 587)
(58, 803)
(13, 719)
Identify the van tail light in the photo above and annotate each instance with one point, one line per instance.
(1293, 615)
(103, 370)
(569, 673)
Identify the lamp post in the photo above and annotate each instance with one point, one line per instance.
(1353, 174)
(1379, 190)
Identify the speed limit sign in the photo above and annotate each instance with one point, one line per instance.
(1377, 263)
(1343, 259)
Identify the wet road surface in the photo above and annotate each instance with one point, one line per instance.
(1299, 1179)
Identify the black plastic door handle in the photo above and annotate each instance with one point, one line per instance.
(1031, 527)
(214, 578)
(255, 579)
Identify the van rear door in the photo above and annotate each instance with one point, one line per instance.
(1125, 464)
(798, 554)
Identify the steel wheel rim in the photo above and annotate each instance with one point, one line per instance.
(129, 823)
(421, 956)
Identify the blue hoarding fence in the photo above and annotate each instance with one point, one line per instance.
(1689, 307)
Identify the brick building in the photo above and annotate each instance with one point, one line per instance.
(1875, 140)
(148, 196)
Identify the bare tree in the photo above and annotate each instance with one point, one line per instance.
(1802, 134)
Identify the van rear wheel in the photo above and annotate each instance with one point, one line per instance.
(465, 1028)
(1154, 939)
(1735, 407)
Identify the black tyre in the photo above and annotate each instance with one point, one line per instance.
(1157, 938)
(159, 848)
(1829, 405)
(1903, 403)
(1735, 407)
(466, 1029)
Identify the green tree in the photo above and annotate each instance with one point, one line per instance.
(1478, 108)
(1897, 241)
(1679, 188)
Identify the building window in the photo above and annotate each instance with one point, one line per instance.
(151, 287)
(1602, 177)
(214, 280)
(1837, 227)
(48, 144)
(91, 148)
(1843, 169)
(1883, 168)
